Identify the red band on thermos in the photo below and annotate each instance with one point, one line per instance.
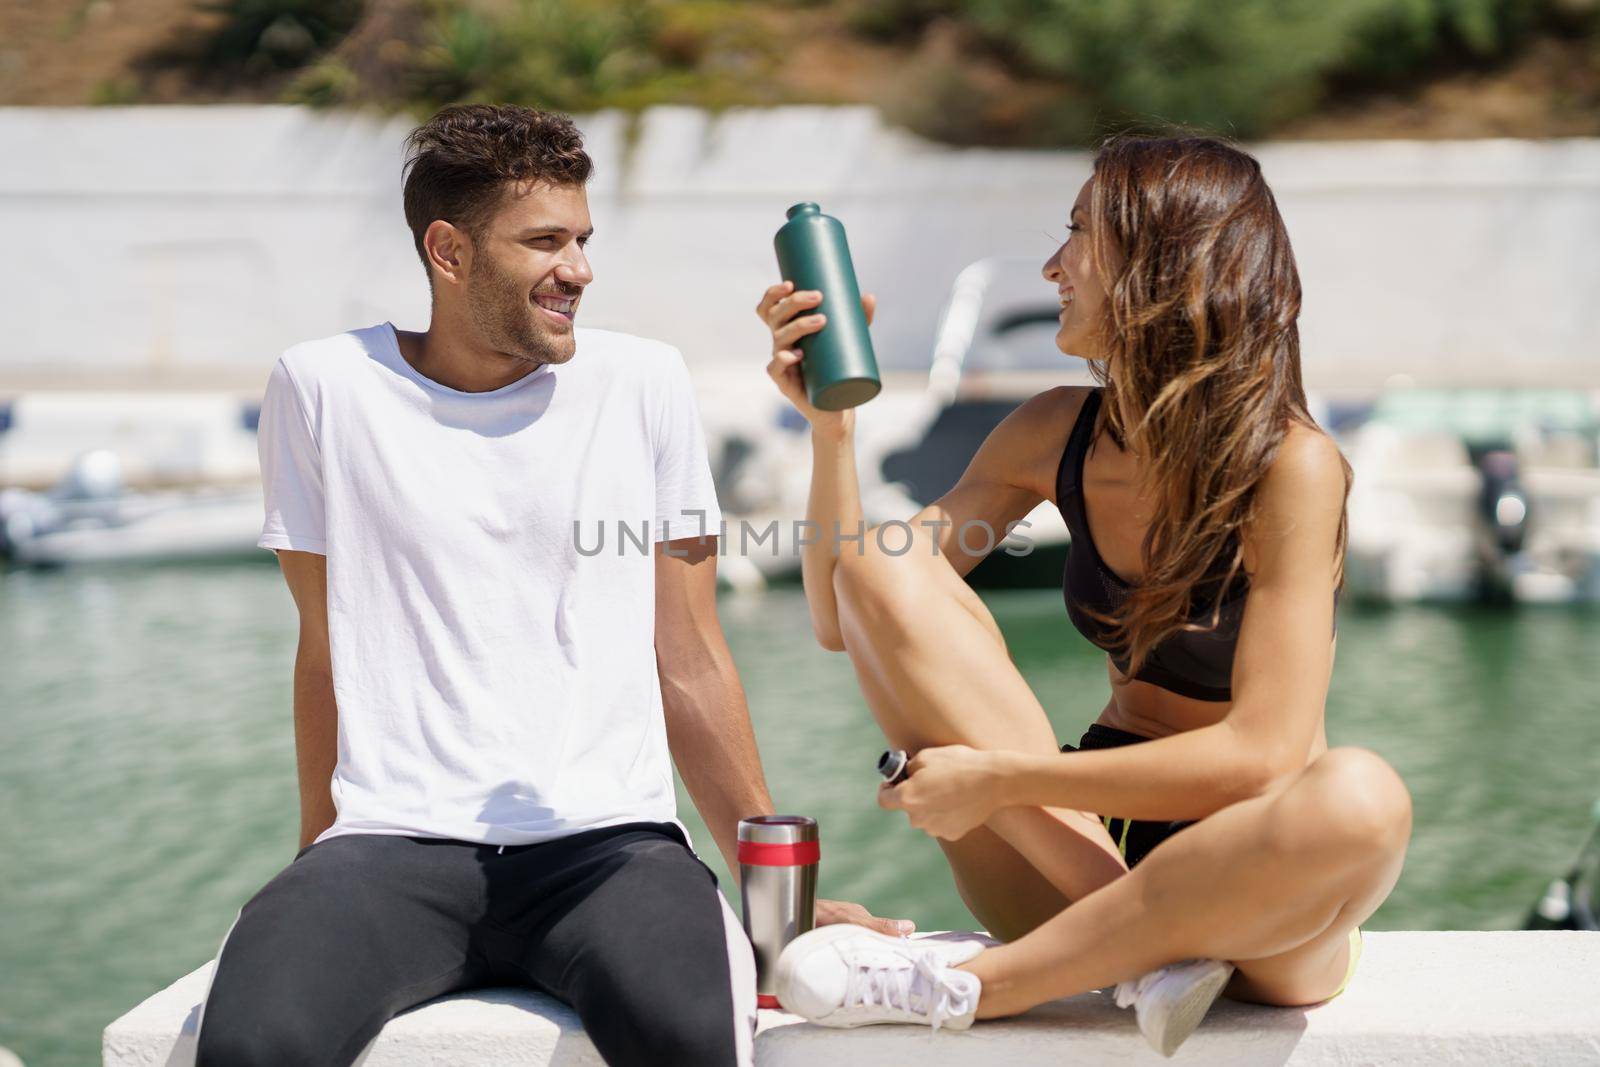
(761, 854)
(767, 1000)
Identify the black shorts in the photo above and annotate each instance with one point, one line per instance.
(624, 923)
(1135, 838)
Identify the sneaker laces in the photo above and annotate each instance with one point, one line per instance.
(1128, 993)
(918, 987)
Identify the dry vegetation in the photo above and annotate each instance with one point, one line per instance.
(945, 70)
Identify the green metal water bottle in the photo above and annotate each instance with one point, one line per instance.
(838, 365)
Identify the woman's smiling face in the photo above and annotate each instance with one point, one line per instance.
(1079, 285)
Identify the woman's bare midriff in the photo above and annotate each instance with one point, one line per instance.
(1151, 711)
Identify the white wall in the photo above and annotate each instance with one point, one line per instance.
(209, 238)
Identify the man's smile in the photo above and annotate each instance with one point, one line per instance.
(558, 307)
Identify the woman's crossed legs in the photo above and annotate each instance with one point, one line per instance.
(1273, 884)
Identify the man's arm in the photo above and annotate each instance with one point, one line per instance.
(708, 721)
(316, 718)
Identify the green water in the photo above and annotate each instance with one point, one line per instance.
(147, 769)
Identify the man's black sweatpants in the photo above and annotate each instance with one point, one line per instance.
(623, 923)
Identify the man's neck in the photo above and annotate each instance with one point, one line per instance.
(441, 357)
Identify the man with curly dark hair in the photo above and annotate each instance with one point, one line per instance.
(486, 691)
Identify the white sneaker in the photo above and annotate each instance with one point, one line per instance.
(1170, 1001)
(846, 975)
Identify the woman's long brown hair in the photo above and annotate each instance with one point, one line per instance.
(1203, 350)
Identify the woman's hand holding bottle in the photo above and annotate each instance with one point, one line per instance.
(780, 305)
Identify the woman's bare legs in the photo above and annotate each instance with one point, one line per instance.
(934, 669)
(1004, 891)
(1274, 883)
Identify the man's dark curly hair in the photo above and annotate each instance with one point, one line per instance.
(459, 163)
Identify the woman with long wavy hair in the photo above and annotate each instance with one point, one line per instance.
(1201, 838)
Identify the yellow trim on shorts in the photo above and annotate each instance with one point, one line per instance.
(1355, 954)
(1122, 846)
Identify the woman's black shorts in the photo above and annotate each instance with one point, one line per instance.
(1137, 837)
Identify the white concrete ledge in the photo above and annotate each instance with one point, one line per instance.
(1417, 998)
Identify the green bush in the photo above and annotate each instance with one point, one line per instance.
(568, 55)
(898, 20)
(278, 34)
(1240, 66)
(1405, 37)
(1232, 65)
(575, 55)
(329, 82)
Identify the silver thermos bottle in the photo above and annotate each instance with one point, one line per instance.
(778, 857)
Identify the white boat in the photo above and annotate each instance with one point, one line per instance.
(90, 517)
(1463, 494)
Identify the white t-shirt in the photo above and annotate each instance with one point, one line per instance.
(493, 665)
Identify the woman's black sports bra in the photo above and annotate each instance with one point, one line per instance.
(1198, 665)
